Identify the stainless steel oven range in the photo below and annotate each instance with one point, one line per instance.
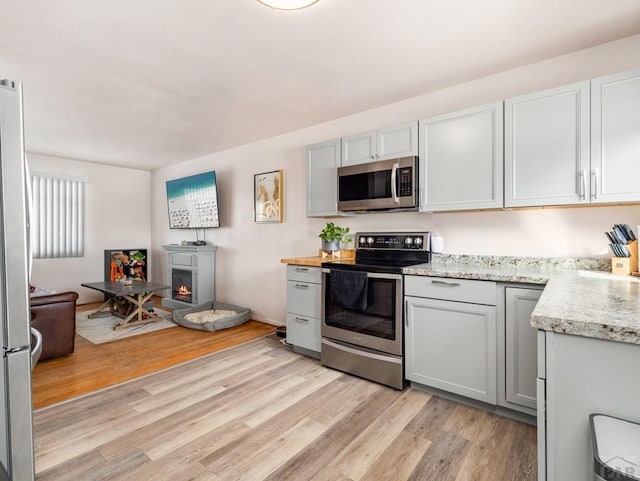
(362, 309)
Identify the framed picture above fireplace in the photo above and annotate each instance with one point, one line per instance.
(193, 202)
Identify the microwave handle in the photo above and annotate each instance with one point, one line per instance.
(394, 178)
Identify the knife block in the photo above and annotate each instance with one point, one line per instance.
(626, 265)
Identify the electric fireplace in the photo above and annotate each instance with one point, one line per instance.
(191, 275)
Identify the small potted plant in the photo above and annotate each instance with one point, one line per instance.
(332, 235)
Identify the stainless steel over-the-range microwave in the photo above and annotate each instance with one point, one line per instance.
(383, 185)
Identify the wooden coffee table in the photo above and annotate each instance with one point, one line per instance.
(136, 293)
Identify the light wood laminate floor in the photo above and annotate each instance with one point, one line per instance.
(96, 366)
(258, 411)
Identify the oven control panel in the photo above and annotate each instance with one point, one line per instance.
(394, 240)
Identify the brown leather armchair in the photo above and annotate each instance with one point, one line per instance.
(55, 317)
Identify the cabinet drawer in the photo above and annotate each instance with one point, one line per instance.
(461, 290)
(304, 274)
(303, 331)
(303, 298)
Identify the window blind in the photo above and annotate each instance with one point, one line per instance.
(57, 216)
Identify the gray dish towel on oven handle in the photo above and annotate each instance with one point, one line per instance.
(349, 288)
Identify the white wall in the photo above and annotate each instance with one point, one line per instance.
(118, 206)
(249, 272)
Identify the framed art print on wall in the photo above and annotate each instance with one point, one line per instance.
(268, 198)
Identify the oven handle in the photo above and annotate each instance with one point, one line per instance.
(361, 353)
(374, 275)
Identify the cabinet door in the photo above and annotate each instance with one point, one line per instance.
(547, 147)
(521, 359)
(541, 415)
(303, 331)
(615, 134)
(322, 178)
(358, 149)
(452, 346)
(397, 141)
(461, 161)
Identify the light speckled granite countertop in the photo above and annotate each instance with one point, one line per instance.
(579, 297)
(481, 272)
(591, 304)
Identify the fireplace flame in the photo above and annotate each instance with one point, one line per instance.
(183, 291)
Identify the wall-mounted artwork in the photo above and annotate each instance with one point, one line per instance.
(268, 198)
(193, 202)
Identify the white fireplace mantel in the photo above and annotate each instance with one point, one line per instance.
(200, 261)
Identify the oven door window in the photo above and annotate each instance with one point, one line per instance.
(377, 320)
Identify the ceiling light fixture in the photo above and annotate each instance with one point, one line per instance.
(288, 4)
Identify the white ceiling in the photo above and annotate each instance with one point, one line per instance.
(148, 83)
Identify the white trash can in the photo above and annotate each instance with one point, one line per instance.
(616, 448)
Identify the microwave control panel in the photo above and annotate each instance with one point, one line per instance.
(405, 182)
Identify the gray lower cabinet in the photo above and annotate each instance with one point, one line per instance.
(520, 351)
(322, 160)
(450, 343)
(581, 376)
(303, 307)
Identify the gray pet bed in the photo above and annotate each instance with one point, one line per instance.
(243, 316)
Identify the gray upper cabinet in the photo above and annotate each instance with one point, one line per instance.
(615, 138)
(322, 178)
(397, 141)
(388, 143)
(547, 147)
(461, 160)
(358, 149)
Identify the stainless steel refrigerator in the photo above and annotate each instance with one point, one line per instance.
(16, 426)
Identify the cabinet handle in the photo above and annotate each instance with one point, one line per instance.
(594, 176)
(300, 319)
(302, 286)
(302, 269)
(450, 284)
(373, 156)
(406, 313)
(583, 184)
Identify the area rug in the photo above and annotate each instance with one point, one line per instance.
(100, 329)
